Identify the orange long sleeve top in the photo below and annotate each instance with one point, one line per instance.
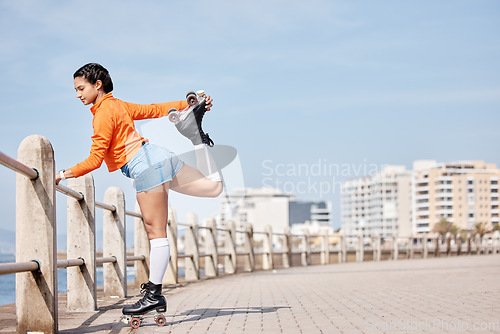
(115, 139)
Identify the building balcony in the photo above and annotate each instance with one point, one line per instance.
(443, 186)
(422, 221)
(422, 181)
(320, 217)
(444, 203)
(422, 205)
(444, 178)
(420, 197)
(444, 212)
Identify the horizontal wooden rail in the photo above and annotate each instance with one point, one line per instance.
(70, 263)
(183, 256)
(101, 260)
(15, 165)
(69, 192)
(15, 267)
(134, 214)
(105, 206)
(136, 258)
(242, 254)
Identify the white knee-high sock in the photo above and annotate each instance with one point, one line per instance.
(205, 163)
(158, 259)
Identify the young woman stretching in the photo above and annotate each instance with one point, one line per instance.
(154, 169)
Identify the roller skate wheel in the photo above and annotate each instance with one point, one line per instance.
(135, 322)
(160, 320)
(192, 99)
(200, 92)
(173, 115)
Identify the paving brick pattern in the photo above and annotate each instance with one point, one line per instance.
(454, 294)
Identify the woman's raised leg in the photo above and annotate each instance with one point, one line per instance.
(190, 181)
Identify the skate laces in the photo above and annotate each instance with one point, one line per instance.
(199, 112)
(206, 139)
(144, 287)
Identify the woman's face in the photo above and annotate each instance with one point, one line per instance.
(85, 91)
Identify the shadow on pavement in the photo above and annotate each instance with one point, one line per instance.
(203, 313)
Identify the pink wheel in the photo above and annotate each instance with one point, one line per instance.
(191, 99)
(135, 322)
(173, 115)
(160, 320)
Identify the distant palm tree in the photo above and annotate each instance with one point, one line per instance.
(481, 229)
(444, 227)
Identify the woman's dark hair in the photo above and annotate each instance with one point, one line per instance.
(93, 72)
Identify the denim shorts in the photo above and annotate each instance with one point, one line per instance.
(151, 166)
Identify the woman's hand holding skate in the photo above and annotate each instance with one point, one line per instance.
(208, 103)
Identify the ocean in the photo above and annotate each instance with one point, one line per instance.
(8, 282)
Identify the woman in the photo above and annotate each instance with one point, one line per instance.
(154, 169)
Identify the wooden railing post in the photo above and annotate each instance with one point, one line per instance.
(212, 261)
(249, 263)
(230, 247)
(395, 248)
(115, 274)
(342, 249)
(409, 250)
(191, 248)
(436, 249)
(360, 251)
(306, 249)
(496, 242)
(478, 243)
(82, 292)
(172, 270)
(325, 248)
(425, 246)
(448, 243)
(267, 255)
(458, 241)
(377, 249)
(287, 248)
(142, 247)
(36, 292)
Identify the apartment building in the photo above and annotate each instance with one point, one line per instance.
(379, 204)
(464, 193)
(269, 206)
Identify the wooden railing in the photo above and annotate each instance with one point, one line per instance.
(215, 251)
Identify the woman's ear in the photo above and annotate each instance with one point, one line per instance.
(98, 84)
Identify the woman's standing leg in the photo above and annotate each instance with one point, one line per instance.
(154, 209)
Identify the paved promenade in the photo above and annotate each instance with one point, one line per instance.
(454, 294)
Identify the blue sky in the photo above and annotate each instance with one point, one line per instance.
(347, 84)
